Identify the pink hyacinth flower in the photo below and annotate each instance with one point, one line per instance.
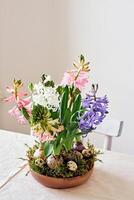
(23, 102)
(46, 137)
(12, 98)
(16, 113)
(70, 78)
(18, 100)
(21, 120)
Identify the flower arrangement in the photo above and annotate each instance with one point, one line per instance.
(59, 118)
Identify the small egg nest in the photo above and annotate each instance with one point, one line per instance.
(83, 160)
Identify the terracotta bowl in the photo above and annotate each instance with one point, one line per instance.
(61, 183)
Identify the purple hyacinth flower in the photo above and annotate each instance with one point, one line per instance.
(96, 110)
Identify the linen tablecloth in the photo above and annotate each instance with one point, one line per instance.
(111, 180)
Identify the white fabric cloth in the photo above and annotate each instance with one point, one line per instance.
(112, 180)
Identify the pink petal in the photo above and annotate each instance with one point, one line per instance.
(22, 94)
(9, 99)
(14, 112)
(69, 79)
(23, 102)
(81, 83)
(10, 89)
(21, 120)
(29, 108)
(46, 137)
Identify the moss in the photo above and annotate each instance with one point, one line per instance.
(84, 164)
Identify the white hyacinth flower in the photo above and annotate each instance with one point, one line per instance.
(46, 96)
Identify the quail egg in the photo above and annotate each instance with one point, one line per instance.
(39, 162)
(54, 161)
(86, 153)
(72, 166)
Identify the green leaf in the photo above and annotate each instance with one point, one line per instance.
(49, 84)
(60, 136)
(57, 148)
(54, 115)
(74, 117)
(25, 113)
(67, 117)
(58, 143)
(72, 126)
(64, 103)
(68, 143)
(60, 89)
(76, 104)
(48, 148)
(31, 87)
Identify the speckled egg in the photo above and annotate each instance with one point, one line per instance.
(86, 153)
(54, 161)
(39, 162)
(72, 166)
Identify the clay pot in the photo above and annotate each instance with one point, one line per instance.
(61, 183)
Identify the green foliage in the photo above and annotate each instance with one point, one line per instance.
(69, 109)
(77, 104)
(49, 84)
(67, 116)
(59, 143)
(48, 148)
(54, 115)
(25, 113)
(31, 87)
(73, 126)
(46, 83)
(64, 103)
(60, 89)
(39, 113)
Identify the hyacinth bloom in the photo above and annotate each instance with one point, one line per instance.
(96, 110)
(21, 120)
(46, 136)
(20, 103)
(79, 80)
(13, 97)
(45, 96)
(23, 102)
(15, 112)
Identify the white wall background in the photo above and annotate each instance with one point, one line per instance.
(46, 35)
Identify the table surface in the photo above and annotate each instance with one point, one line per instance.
(114, 179)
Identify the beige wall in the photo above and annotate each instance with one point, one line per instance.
(33, 41)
